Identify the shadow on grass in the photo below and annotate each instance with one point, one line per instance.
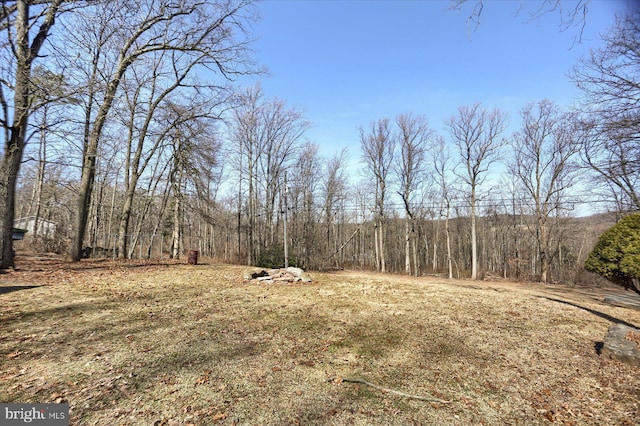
(108, 263)
(12, 288)
(592, 311)
(598, 346)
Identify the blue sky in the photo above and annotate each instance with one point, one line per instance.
(347, 63)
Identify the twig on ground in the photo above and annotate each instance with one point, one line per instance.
(388, 390)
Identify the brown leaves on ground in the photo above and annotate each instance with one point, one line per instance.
(633, 337)
(132, 342)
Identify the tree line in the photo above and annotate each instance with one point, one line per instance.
(123, 125)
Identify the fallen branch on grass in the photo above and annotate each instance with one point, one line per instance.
(387, 390)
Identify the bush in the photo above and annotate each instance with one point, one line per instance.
(273, 257)
(616, 256)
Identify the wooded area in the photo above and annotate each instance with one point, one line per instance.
(124, 126)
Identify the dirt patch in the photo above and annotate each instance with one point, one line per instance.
(132, 343)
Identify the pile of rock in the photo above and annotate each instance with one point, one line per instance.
(270, 276)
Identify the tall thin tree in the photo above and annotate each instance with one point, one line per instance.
(475, 132)
(544, 150)
(413, 137)
(209, 30)
(377, 153)
(25, 35)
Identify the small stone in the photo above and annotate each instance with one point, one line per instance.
(295, 271)
(264, 278)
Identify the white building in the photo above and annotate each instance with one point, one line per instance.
(45, 227)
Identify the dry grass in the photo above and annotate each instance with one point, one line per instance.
(170, 344)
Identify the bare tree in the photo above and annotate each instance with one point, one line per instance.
(543, 152)
(573, 16)
(282, 130)
(475, 131)
(147, 95)
(184, 139)
(248, 143)
(177, 180)
(203, 175)
(334, 186)
(413, 138)
(268, 136)
(610, 83)
(446, 181)
(377, 153)
(25, 35)
(304, 188)
(49, 96)
(209, 31)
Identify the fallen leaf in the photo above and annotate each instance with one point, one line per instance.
(549, 415)
(219, 416)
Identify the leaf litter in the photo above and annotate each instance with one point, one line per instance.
(128, 343)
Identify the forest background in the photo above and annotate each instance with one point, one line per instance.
(145, 131)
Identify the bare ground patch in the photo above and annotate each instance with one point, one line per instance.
(135, 343)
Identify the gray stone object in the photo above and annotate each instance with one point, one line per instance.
(619, 347)
(626, 300)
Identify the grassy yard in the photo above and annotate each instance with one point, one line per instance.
(171, 344)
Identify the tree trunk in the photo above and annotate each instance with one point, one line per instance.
(165, 198)
(89, 166)
(474, 242)
(544, 256)
(416, 265)
(14, 144)
(446, 230)
(42, 162)
(10, 166)
(383, 261)
(8, 175)
(407, 247)
(177, 229)
(376, 232)
(435, 247)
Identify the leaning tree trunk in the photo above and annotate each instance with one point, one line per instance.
(89, 170)
(14, 144)
(10, 165)
(8, 175)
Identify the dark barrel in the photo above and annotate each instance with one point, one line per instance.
(192, 257)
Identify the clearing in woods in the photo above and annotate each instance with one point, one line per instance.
(131, 343)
